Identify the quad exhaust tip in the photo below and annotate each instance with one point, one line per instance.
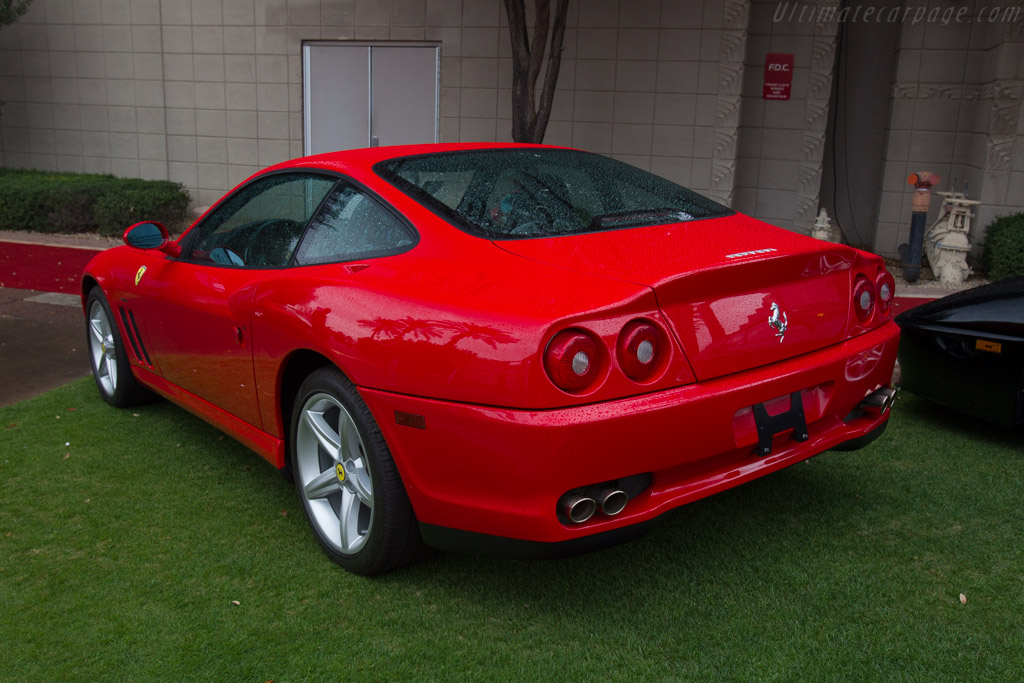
(578, 505)
(610, 500)
(879, 402)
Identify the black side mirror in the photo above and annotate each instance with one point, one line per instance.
(151, 235)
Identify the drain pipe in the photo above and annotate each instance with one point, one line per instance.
(910, 252)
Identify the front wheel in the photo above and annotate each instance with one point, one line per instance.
(348, 483)
(108, 357)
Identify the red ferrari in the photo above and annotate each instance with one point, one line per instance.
(498, 349)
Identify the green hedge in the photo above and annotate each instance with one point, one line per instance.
(43, 201)
(1004, 247)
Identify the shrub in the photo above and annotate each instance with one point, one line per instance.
(1004, 247)
(141, 200)
(42, 201)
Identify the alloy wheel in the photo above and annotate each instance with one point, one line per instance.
(101, 348)
(334, 473)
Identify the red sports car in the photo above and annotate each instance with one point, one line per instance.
(501, 349)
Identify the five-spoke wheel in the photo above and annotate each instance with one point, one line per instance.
(348, 483)
(107, 356)
(101, 348)
(334, 472)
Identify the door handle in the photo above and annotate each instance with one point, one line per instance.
(239, 335)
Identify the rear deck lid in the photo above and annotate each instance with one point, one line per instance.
(738, 293)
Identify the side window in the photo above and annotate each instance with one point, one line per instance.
(352, 225)
(260, 225)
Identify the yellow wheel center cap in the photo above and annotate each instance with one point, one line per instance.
(339, 469)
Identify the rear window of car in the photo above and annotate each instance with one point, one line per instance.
(523, 193)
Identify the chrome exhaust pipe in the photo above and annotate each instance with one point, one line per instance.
(610, 500)
(577, 507)
(878, 402)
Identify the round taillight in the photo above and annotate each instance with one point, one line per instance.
(639, 350)
(863, 298)
(886, 287)
(572, 360)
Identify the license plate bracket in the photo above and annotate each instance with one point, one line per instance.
(770, 425)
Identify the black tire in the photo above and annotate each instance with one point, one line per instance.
(360, 515)
(118, 388)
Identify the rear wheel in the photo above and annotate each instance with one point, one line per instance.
(348, 483)
(107, 356)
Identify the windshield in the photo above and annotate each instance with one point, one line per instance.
(519, 193)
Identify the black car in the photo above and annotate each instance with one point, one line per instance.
(966, 351)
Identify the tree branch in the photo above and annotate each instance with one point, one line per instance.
(521, 98)
(547, 96)
(529, 121)
(540, 40)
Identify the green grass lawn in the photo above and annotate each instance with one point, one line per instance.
(152, 548)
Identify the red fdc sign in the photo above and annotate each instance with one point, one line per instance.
(778, 75)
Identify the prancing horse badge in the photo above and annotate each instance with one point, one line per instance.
(779, 321)
(139, 274)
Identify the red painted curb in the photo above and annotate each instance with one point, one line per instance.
(905, 303)
(43, 267)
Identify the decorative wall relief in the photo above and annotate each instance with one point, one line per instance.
(819, 91)
(735, 14)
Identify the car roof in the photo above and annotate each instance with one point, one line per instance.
(364, 159)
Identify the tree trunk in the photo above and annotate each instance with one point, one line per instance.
(530, 116)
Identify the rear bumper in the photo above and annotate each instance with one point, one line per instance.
(499, 472)
(475, 543)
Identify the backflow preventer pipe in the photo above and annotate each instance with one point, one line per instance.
(910, 252)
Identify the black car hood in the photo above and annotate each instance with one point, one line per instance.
(997, 308)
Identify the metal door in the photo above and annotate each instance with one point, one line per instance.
(364, 95)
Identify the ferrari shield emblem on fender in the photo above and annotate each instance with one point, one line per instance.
(138, 275)
(779, 321)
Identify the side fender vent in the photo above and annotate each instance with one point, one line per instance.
(134, 338)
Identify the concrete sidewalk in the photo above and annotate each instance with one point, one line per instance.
(42, 343)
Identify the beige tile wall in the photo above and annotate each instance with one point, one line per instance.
(630, 85)
(206, 92)
(781, 142)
